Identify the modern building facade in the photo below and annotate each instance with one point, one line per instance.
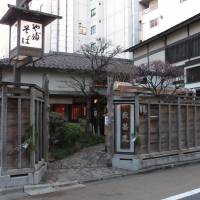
(85, 20)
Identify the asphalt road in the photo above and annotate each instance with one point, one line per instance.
(193, 197)
(155, 185)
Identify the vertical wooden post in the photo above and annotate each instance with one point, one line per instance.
(195, 126)
(179, 123)
(187, 126)
(46, 117)
(37, 129)
(4, 127)
(169, 127)
(110, 109)
(19, 130)
(159, 128)
(149, 128)
(41, 131)
(32, 123)
(137, 116)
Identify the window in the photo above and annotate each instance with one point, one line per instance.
(184, 49)
(70, 112)
(193, 74)
(93, 12)
(93, 44)
(78, 111)
(93, 29)
(82, 30)
(153, 23)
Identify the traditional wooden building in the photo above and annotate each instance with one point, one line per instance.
(179, 46)
(59, 67)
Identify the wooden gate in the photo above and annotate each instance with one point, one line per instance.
(24, 128)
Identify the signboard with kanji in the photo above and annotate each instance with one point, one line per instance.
(26, 31)
(30, 34)
(125, 127)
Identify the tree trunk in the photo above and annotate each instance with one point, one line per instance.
(110, 143)
(98, 118)
(89, 115)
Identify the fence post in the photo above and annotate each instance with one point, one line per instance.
(3, 128)
(46, 116)
(195, 125)
(179, 123)
(169, 127)
(149, 128)
(137, 115)
(159, 128)
(19, 134)
(32, 123)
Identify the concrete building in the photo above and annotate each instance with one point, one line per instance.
(159, 15)
(85, 20)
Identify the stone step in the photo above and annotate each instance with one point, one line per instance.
(49, 188)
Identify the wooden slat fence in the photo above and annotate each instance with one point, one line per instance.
(168, 123)
(23, 112)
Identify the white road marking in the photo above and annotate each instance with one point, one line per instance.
(183, 195)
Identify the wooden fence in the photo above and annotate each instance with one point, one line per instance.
(168, 123)
(163, 125)
(23, 127)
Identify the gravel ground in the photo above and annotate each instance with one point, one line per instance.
(87, 165)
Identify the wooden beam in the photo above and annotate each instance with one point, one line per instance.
(4, 128)
(149, 128)
(41, 131)
(46, 117)
(195, 126)
(169, 128)
(179, 123)
(137, 116)
(159, 128)
(187, 126)
(32, 123)
(19, 130)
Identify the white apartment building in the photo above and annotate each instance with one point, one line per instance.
(85, 20)
(159, 15)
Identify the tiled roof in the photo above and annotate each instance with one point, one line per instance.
(68, 61)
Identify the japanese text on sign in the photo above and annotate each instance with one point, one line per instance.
(31, 34)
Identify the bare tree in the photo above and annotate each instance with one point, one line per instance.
(157, 77)
(100, 57)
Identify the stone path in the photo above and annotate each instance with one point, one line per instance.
(86, 165)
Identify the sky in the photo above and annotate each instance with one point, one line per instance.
(4, 30)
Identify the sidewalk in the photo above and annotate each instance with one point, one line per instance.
(87, 165)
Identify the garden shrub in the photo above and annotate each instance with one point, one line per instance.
(67, 138)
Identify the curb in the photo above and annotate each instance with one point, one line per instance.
(11, 190)
(142, 171)
(51, 187)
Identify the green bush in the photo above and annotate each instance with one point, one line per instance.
(67, 138)
(56, 130)
(72, 134)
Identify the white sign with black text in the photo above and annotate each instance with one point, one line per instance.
(31, 34)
